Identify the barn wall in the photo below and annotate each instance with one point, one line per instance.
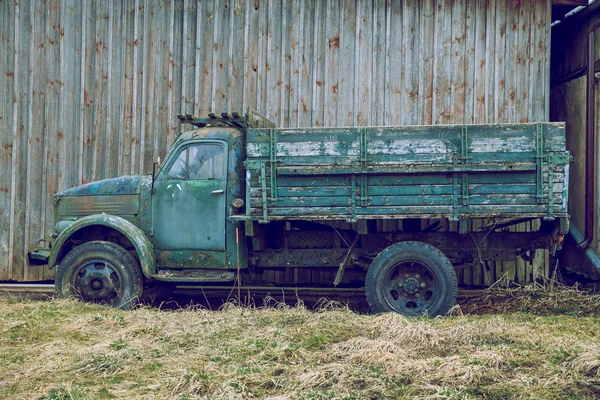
(91, 89)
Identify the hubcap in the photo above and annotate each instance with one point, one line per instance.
(98, 281)
(411, 287)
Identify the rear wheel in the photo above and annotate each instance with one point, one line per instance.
(100, 272)
(411, 278)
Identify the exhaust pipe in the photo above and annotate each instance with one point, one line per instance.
(584, 245)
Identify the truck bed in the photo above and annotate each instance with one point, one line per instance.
(443, 171)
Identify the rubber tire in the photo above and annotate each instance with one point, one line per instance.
(437, 263)
(129, 272)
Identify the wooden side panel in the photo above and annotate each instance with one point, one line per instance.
(338, 172)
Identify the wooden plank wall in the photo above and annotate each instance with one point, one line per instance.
(90, 89)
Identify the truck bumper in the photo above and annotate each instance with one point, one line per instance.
(38, 257)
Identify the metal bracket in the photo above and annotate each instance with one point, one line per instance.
(363, 190)
(539, 158)
(353, 201)
(263, 184)
(363, 147)
(550, 186)
(273, 163)
(464, 156)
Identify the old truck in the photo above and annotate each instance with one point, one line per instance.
(387, 209)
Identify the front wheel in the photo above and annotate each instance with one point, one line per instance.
(411, 278)
(100, 272)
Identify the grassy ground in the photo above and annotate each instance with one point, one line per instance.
(522, 343)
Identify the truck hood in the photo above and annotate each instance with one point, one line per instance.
(123, 185)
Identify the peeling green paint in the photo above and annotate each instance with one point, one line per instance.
(140, 241)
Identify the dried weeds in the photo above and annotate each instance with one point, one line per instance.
(532, 342)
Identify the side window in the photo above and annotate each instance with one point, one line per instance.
(178, 169)
(199, 162)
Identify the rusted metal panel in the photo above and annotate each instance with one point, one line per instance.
(90, 88)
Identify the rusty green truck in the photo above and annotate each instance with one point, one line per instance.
(359, 207)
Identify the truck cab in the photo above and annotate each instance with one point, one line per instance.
(117, 238)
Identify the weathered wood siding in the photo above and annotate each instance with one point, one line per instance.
(90, 89)
(449, 171)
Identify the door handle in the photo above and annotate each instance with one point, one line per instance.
(219, 191)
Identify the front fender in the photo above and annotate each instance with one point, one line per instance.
(142, 244)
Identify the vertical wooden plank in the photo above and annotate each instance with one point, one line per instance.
(7, 74)
(52, 138)
(479, 85)
(332, 16)
(161, 82)
(523, 63)
(443, 63)
(510, 267)
(273, 61)
(221, 28)
(68, 134)
(458, 62)
(87, 92)
(288, 36)
(387, 96)
(261, 82)
(319, 68)
(472, 77)
(144, 75)
(499, 71)
(546, 26)
(188, 40)
(305, 83)
(364, 63)
(529, 264)
(252, 60)
(410, 64)
(98, 129)
(296, 46)
(204, 55)
(35, 140)
(521, 264)
(395, 69)
(490, 60)
(129, 76)
(152, 80)
(25, 100)
(426, 61)
(115, 84)
(489, 273)
(136, 75)
(20, 126)
(377, 103)
(512, 60)
(237, 45)
(346, 63)
(174, 67)
(476, 270)
(538, 63)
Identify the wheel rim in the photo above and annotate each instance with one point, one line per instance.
(411, 287)
(98, 281)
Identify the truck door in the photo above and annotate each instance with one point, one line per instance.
(188, 204)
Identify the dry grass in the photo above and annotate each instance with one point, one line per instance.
(68, 350)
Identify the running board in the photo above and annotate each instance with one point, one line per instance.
(182, 275)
